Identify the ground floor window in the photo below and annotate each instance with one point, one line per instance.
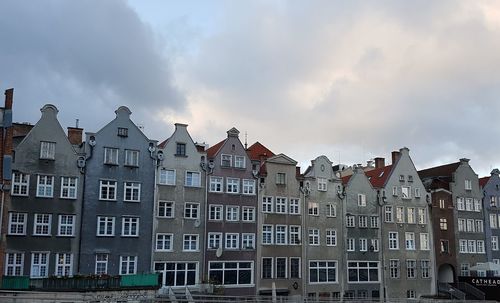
(128, 265)
(14, 264)
(231, 273)
(177, 273)
(362, 272)
(322, 271)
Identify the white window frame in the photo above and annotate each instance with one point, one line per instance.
(216, 184)
(232, 185)
(313, 208)
(285, 271)
(45, 186)
(267, 204)
(281, 178)
(239, 162)
(410, 241)
(393, 240)
(214, 240)
(110, 186)
(281, 237)
(226, 160)
(424, 241)
(361, 200)
(351, 244)
(374, 222)
(69, 188)
(281, 205)
(191, 210)
(494, 243)
(295, 235)
(411, 215)
(294, 206)
(322, 184)
(232, 241)
(350, 220)
(331, 210)
(232, 213)
(64, 227)
(107, 220)
(131, 158)
(111, 155)
(248, 214)
(64, 265)
(468, 184)
(331, 237)
(134, 191)
(195, 182)
(217, 210)
(20, 184)
(248, 241)
(267, 234)
(236, 269)
(411, 269)
(362, 221)
(40, 268)
(17, 223)
(127, 261)
(101, 259)
(405, 192)
(189, 239)
(314, 237)
(363, 244)
(327, 267)
(164, 242)
(422, 216)
(167, 176)
(46, 223)
(165, 206)
(248, 187)
(14, 264)
(129, 225)
(47, 150)
(265, 270)
(389, 213)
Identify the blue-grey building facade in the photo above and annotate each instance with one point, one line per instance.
(491, 191)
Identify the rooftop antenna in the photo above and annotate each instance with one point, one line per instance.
(77, 123)
(246, 135)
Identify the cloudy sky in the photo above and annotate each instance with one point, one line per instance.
(351, 80)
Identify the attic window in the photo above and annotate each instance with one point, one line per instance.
(122, 132)
(401, 178)
(410, 178)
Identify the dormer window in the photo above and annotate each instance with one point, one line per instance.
(47, 150)
(226, 160)
(122, 132)
(180, 149)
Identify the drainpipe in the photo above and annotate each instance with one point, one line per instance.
(305, 214)
(208, 169)
(83, 171)
(343, 256)
(381, 199)
(156, 159)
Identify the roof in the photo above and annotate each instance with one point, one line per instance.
(439, 171)
(162, 145)
(378, 176)
(483, 181)
(346, 179)
(257, 151)
(212, 151)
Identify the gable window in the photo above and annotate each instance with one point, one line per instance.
(313, 208)
(17, 223)
(401, 178)
(215, 212)
(294, 206)
(191, 210)
(105, 226)
(14, 264)
(193, 179)
(128, 265)
(281, 178)
(165, 209)
(232, 213)
(361, 200)
(281, 205)
(101, 264)
(239, 162)
(406, 192)
(45, 186)
(248, 187)
(331, 210)
(130, 226)
(395, 191)
(226, 160)
(111, 156)
(232, 185)
(20, 184)
(417, 192)
(493, 201)
(66, 225)
(47, 150)
(39, 265)
(167, 176)
(69, 187)
(180, 149)
(131, 157)
(164, 242)
(267, 204)
(41, 224)
(215, 184)
(132, 192)
(64, 265)
(122, 132)
(322, 184)
(107, 189)
(468, 185)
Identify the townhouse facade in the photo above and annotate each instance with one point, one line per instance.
(231, 228)
(491, 190)
(180, 208)
(44, 212)
(119, 199)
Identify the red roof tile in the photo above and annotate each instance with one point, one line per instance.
(346, 179)
(439, 171)
(257, 151)
(212, 151)
(378, 176)
(162, 145)
(483, 181)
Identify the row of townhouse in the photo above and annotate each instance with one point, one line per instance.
(242, 218)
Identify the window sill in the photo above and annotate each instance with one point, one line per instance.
(131, 166)
(130, 201)
(41, 235)
(111, 164)
(180, 155)
(104, 200)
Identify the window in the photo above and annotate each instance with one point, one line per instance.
(363, 245)
(267, 204)
(410, 241)
(111, 156)
(231, 273)
(215, 184)
(313, 208)
(281, 205)
(411, 215)
(395, 191)
(232, 185)
(313, 236)
(64, 265)
(363, 221)
(68, 187)
(480, 246)
(14, 264)
(471, 246)
(463, 246)
(464, 269)
(424, 241)
(190, 243)
(394, 269)
(494, 242)
(107, 190)
(374, 222)
(401, 178)
(47, 150)
(422, 216)
(267, 268)
(322, 184)
(128, 265)
(281, 268)
(406, 192)
(417, 192)
(45, 186)
(131, 157)
(350, 221)
(351, 244)
(331, 237)
(226, 160)
(248, 187)
(443, 224)
(294, 235)
(361, 200)
(167, 176)
(191, 210)
(39, 265)
(193, 179)
(375, 245)
(248, 214)
(215, 213)
(469, 206)
(130, 226)
(294, 206)
(281, 235)
(166, 209)
(42, 224)
(479, 226)
(281, 178)
(470, 225)
(322, 272)
(442, 203)
(460, 203)
(331, 210)
(411, 269)
(17, 223)
(66, 225)
(468, 184)
(248, 241)
(20, 184)
(164, 242)
(493, 221)
(294, 268)
(105, 226)
(477, 205)
(393, 240)
(180, 149)
(178, 273)
(232, 213)
(132, 192)
(267, 234)
(214, 240)
(101, 264)
(122, 132)
(400, 214)
(362, 272)
(239, 162)
(411, 294)
(388, 214)
(445, 246)
(493, 201)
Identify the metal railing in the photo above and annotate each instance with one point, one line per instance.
(452, 292)
(469, 289)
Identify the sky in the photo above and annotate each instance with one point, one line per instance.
(351, 80)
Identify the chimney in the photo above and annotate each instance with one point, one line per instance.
(379, 162)
(9, 94)
(75, 135)
(395, 156)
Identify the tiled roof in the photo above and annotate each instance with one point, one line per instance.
(162, 145)
(212, 151)
(483, 181)
(378, 176)
(439, 171)
(257, 151)
(346, 179)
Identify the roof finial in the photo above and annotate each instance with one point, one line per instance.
(77, 123)
(246, 143)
